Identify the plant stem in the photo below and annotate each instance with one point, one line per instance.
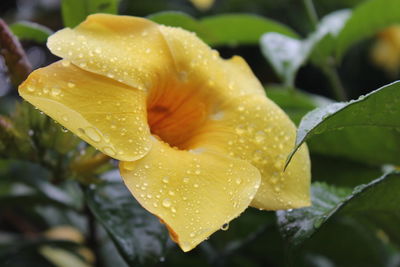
(335, 82)
(311, 12)
(328, 65)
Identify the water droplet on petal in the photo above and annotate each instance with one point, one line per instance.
(225, 227)
(166, 203)
(92, 134)
(64, 117)
(65, 63)
(109, 151)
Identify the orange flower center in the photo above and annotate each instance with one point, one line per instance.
(177, 114)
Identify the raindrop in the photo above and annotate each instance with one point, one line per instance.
(65, 63)
(71, 85)
(92, 134)
(30, 89)
(165, 179)
(55, 91)
(109, 151)
(225, 227)
(166, 203)
(64, 117)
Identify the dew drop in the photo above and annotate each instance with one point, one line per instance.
(238, 180)
(71, 85)
(64, 117)
(65, 63)
(92, 134)
(166, 203)
(109, 151)
(165, 179)
(30, 89)
(186, 180)
(225, 227)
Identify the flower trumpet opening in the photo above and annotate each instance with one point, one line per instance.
(176, 114)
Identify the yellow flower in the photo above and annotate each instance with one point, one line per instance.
(202, 4)
(197, 138)
(386, 51)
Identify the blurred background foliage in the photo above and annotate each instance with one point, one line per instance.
(62, 202)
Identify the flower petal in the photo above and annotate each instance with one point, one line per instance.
(244, 123)
(129, 49)
(255, 129)
(107, 114)
(194, 193)
(195, 61)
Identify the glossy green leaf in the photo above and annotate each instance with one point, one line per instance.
(367, 19)
(76, 11)
(42, 189)
(138, 235)
(327, 33)
(370, 124)
(287, 55)
(295, 103)
(31, 31)
(227, 29)
(380, 195)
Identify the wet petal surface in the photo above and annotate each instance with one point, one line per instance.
(128, 49)
(193, 192)
(255, 129)
(107, 114)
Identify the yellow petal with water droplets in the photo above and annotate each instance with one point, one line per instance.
(107, 114)
(128, 49)
(255, 129)
(193, 193)
(199, 64)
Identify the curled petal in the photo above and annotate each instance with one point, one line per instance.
(107, 114)
(196, 62)
(193, 192)
(128, 49)
(255, 129)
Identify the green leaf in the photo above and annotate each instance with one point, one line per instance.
(227, 29)
(342, 172)
(138, 234)
(26, 30)
(367, 19)
(295, 103)
(76, 11)
(327, 33)
(366, 122)
(287, 54)
(380, 195)
(21, 172)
